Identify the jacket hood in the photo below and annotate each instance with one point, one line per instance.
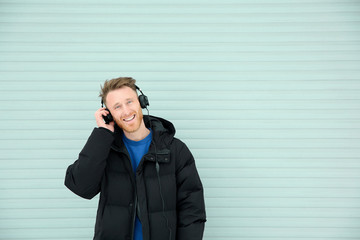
(163, 130)
(159, 125)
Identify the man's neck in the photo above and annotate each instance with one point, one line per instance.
(138, 135)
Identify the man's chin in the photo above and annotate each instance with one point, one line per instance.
(128, 129)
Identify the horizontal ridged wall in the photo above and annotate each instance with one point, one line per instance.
(266, 94)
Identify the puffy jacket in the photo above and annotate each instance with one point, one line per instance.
(175, 212)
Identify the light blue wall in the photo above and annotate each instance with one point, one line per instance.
(266, 94)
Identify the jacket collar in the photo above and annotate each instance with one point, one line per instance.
(162, 135)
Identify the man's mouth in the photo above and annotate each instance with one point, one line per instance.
(129, 119)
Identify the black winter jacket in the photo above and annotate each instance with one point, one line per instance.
(104, 166)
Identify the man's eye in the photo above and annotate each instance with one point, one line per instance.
(130, 101)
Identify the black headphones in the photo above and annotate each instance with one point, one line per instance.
(143, 99)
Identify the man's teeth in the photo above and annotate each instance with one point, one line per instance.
(129, 119)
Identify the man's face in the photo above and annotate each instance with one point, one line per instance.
(125, 108)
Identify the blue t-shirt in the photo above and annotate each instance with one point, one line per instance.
(137, 149)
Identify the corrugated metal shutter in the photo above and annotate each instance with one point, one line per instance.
(265, 93)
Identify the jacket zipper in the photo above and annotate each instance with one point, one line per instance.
(135, 202)
(135, 196)
(134, 217)
(136, 208)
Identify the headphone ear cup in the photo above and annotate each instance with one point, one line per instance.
(144, 102)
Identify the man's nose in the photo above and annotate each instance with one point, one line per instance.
(126, 110)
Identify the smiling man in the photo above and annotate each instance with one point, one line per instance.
(147, 179)
(126, 111)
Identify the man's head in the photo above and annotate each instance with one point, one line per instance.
(120, 97)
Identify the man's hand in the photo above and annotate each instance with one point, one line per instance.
(100, 121)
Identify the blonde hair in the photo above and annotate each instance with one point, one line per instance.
(116, 83)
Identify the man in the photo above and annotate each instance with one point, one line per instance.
(148, 183)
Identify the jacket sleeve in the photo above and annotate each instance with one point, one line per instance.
(190, 199)
(83, 177)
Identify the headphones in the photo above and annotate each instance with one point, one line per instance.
(143, 100)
